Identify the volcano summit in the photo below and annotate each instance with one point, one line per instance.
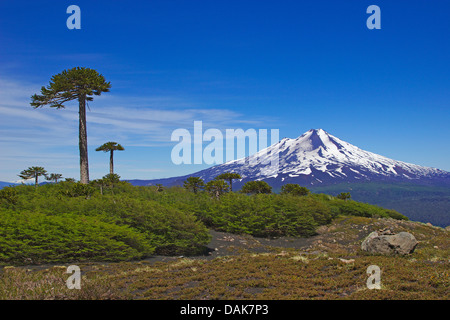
(317, 158)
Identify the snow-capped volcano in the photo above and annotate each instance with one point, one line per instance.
(317, 157)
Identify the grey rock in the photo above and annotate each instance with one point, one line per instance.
(381, 243)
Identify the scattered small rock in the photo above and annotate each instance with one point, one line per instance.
(322, 230)
(227, 238)
(59, 267)
(385, 231)
(282, 254)
(347, 260)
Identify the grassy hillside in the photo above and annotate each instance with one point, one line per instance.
(329, 265)
(74, 222)
(128, 241)
(417, 202)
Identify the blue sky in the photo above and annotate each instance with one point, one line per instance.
(287, 65)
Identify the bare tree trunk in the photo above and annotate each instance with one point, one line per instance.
(84, 166)
(111, 162)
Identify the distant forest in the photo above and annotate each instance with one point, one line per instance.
(417, 202)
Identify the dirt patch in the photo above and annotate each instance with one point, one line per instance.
(228, 244)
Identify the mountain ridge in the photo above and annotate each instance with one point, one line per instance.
(316, 158)
(7, 184)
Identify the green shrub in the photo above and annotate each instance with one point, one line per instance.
(255, 187)
(170, 230)
(294, 189)
(265, 214)
(34, 238)
(166, 229)
(394, 214)
(77, 190)
(46, 225)
(216, 188)
(344, 196)
(353, 208)
(9, 195)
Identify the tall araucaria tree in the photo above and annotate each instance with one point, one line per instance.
(110, 147)
(79, 84)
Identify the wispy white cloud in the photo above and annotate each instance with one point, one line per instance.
(50, 137)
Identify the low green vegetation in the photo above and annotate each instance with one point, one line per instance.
(256, 187)
(35, 237)
(109, 220)
(74, 222)
(344, 196)
(8, 196)
(294, 189)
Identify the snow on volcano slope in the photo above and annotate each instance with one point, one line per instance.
(317, 157)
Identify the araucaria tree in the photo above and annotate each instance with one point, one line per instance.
(79, 84)
(344, 196)
(216, 188)
(33, 172)
(294, 189)
(54, 177)
(253, 187)
(194, 184)
(110, 147)
(229, 177)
